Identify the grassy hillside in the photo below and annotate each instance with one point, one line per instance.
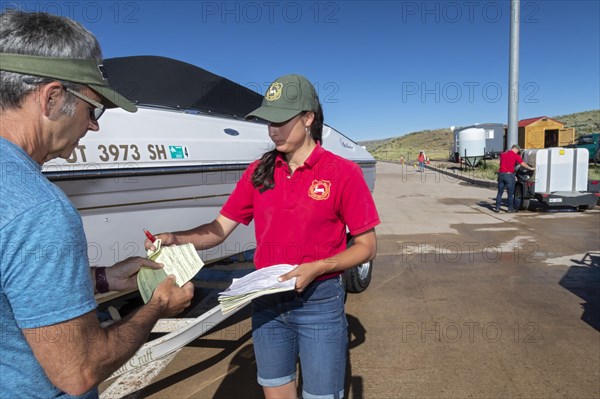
(437, 142)
(584, 122)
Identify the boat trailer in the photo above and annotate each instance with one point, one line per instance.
(155, 355)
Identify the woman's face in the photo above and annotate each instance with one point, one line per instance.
(291, 135)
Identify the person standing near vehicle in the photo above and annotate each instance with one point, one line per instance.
(506, 176)
(301, 198)
(52, 91)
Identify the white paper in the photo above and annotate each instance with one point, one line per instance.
(182, 261)
(260, 282)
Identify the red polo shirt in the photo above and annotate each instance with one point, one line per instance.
(508, 160)
(304, 217)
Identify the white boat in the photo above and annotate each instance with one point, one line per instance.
(172, 164)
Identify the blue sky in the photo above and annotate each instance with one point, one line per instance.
(382, 68)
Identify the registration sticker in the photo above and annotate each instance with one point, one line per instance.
(178, 152)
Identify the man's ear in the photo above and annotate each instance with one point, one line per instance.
(50, 96)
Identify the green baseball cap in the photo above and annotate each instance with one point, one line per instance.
(84, 71)
(287, 97)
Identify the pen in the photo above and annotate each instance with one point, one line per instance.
(149, 235)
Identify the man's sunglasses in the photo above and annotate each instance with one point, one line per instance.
(96, 112)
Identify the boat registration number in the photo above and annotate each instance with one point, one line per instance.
(126, 152)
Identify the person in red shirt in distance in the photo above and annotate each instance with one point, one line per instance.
(421, 160)
(506, 176)
(301, 198)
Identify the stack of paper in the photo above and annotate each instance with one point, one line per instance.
(258, 283)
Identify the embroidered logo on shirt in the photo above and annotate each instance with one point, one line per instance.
(274, 91)
(319, 190)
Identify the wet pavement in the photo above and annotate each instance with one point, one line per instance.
(464, 303)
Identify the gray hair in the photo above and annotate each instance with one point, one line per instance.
(46, 35)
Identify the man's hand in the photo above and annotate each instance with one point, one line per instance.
(87, 354)
(123, 275)
(171, 298)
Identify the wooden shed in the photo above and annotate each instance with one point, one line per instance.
(544, 132)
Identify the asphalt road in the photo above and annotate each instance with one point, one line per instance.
(464, 303)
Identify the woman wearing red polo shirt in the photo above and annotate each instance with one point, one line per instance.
(301, 198)
(421, 160)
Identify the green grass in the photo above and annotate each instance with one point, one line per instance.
(488, 170)
(485, 170)
(409, 155)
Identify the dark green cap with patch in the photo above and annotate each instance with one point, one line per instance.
(287, 97)
(83, 71)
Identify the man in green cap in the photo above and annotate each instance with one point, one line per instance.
(53, 89)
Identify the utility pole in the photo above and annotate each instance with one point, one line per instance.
(513, 76)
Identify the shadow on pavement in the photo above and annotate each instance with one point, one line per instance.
(353, 386)
(583, 280)
(357, 335)
(534, 206)
(227, 347)
(241, 378)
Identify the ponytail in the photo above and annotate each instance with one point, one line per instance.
(263, 177)
(316, 128)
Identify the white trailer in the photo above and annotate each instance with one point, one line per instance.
(560, 179)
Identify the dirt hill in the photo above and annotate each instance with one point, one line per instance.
(437, 142)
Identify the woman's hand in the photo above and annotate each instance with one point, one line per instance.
(166, 239)
(363, 249)
(305, 274)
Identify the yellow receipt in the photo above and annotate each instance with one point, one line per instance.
(182, 261)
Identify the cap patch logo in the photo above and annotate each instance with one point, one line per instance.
(274, 92)
(319, 190)
(102, 70)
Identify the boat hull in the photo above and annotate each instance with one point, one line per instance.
(164, 171)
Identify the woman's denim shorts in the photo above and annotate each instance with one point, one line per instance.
(310, 325)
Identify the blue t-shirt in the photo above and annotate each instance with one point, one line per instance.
(44, 270)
